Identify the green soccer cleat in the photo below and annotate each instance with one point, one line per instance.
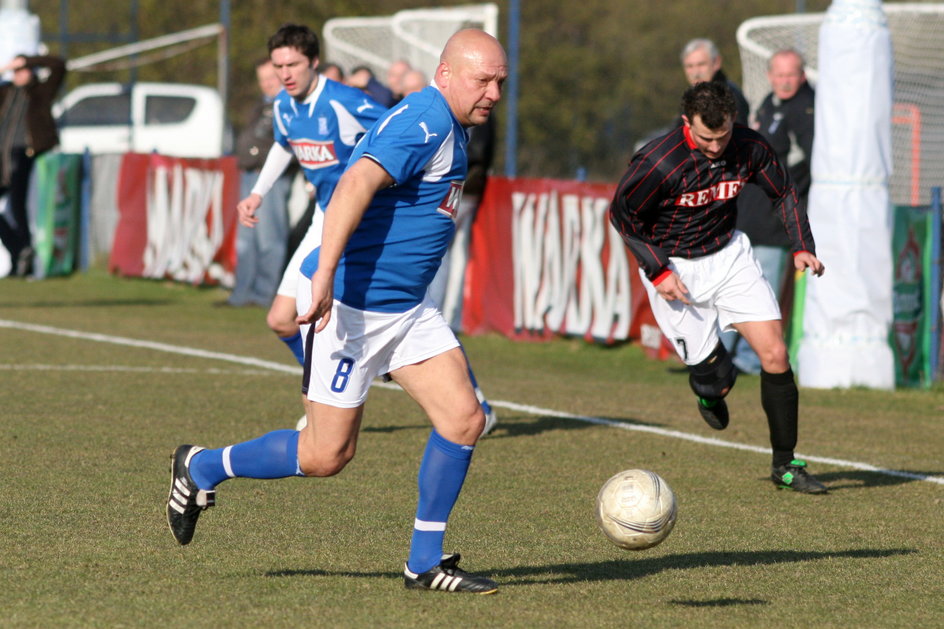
(794, 476)
(714, 412)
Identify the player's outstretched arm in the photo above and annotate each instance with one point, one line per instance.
(276, 162)
(806, 260)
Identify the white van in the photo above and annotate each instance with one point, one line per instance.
(170, 118)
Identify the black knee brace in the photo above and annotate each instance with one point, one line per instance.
(713, 378)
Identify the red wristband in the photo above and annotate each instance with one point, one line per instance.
(658, 279)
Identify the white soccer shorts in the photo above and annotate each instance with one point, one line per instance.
(310, 240)
(359, 345)
(725, 287)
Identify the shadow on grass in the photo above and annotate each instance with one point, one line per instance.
(720, 602)
(631, 568)
(421, 424)
(525, 425)
(636, 569)
(855, 479)
(517, 425)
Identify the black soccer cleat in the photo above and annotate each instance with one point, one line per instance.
(714, 412)
(186, 500)
(447, 577)
(794, 476)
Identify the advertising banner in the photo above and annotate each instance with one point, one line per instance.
(57, 198)
(545, 261)
(794, 325)
(176, 218)
(913, 338)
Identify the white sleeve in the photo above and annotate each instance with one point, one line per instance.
(276, 162)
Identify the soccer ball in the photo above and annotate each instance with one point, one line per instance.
(636, 509)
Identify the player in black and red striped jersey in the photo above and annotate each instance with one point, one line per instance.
(676, 209)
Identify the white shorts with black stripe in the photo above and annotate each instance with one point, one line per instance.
(725, 287)
(357, 346)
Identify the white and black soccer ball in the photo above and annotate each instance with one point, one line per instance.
(636, 509)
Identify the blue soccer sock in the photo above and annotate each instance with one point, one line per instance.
(441, 475)
(297, 345)
(273, 455)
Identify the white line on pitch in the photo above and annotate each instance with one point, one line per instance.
(675, 434)
(513, 406)
(128, 369)
(161, 347)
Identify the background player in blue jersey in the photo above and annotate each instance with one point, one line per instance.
(386, 229)
(318, 121)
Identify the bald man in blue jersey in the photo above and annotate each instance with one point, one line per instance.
(318, 121)
(386, 229)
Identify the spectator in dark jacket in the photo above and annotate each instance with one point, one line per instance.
(785, 119)
(27, 130)
(261, 251)
(363, 78)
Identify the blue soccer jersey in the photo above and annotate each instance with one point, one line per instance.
(396, 249)
(323, 129)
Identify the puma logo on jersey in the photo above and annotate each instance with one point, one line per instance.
(721, 191)
(450, 203)
(426, 131)
(364, 107)
(314, 154)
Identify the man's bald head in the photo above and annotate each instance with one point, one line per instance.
(472, 69)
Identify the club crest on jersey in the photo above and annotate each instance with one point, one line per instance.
(314, 154)
(322, 125)
(450, 203)
(721, 191)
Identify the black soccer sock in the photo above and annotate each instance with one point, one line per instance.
(780, 399)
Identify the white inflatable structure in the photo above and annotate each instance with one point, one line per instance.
(849, 309)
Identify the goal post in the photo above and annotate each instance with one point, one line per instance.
(414, 35)
(918, 120)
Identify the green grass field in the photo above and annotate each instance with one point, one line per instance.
(89, 421)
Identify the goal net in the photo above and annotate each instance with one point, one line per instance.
(918, 114)
(414, 35)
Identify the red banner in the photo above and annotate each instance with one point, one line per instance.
(176, 218)
(545, 261)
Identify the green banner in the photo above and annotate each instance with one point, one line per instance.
(913, 254)
(57, 195)
(795, 323)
